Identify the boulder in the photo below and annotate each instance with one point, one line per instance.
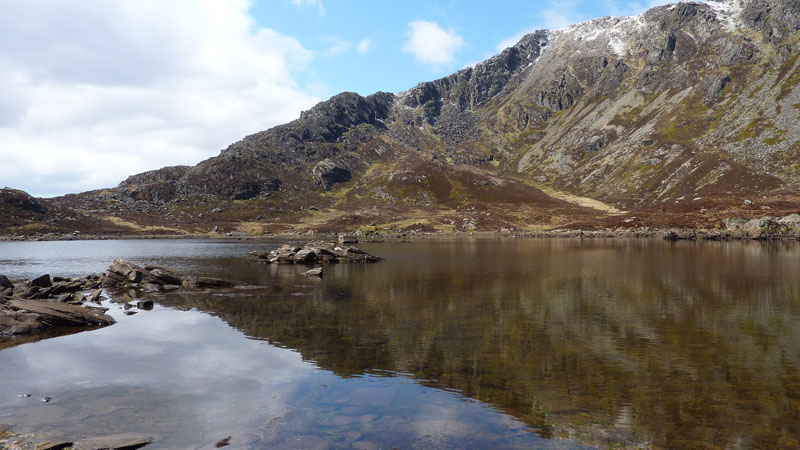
(166, 275)
(734, 223)
(94, 297)
(42, 281)
(5, 282)
(305, 256)
(146, 305)
(345, 239)
(679, 235)
(764, 227)
(259, 256)
(123, 273)
(317, 272)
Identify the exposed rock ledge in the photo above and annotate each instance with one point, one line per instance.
(314, 253)
(34, 306)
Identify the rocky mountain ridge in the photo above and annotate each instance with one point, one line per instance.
(671, 118)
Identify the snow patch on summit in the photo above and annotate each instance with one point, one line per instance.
(612, 30)
(728, 11)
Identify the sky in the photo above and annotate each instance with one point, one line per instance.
(92, 91)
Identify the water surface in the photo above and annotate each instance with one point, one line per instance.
(480, 343)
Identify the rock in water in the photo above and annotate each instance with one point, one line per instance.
(314, 272)
(313, 253)
(146, 305)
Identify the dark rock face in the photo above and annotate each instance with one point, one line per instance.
(246, 191)
(14, 198)
(775, 19)
(328, 121)
(473, 86)
(328, 173)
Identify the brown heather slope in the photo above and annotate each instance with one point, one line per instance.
(669, 119)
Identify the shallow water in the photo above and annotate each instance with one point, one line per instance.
(485, 343)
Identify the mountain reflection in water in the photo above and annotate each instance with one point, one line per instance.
(605, 342)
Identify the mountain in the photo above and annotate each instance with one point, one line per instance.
(683, 116)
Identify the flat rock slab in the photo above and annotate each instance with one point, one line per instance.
(60, 314)
(123, 441)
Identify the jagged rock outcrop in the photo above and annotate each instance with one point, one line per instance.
(125, 274)
(20, 200)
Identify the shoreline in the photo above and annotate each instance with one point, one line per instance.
(669, 234)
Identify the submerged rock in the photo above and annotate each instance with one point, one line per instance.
(314, 253)
(314, 272)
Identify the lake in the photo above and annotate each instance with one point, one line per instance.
(464, 343)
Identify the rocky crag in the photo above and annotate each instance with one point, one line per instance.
(684, 116)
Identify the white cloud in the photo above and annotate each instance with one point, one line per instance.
(304, 3)
(431, 44)
(92, 91)
(364, 45)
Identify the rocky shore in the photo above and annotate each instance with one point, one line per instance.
(733, 228)
(33, 306)
(37, 305)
